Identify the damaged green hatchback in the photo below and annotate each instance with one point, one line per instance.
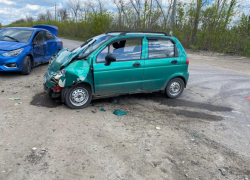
(118, 62)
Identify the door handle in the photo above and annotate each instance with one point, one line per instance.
(174, 61)
(136, 64)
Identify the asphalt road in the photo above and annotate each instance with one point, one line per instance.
(221, 87)
(191, 137)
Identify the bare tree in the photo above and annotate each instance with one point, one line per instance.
(91, 5)
(29, 18)
(173, 16)
(19, 21)
(136, 4)
(196, 21)
(74, 7)
(165, 15)
(119, 8)
(100, 5)
(62, 14)
(124, 13)
(229, 11)
(41, 17)
(48, 15)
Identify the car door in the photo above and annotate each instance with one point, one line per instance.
(162, 62)
(39, 48)
(51, 45)
(125, 74)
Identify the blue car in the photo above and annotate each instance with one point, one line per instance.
(21, 49)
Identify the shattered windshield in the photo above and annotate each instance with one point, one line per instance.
(93, 44)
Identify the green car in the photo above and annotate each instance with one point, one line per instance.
(118, 62)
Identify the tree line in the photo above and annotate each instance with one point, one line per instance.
(199, 24)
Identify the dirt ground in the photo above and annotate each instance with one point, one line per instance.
(204, 134)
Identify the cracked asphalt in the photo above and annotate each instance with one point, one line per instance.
(192, 137)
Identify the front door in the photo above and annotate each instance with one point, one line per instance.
(39, 48)
(162, 62)
(125, 74)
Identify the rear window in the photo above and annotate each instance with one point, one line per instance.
(160, 48)
(14, 35)
(48, 36)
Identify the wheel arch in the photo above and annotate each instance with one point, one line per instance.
(32, 59)
(178, 76)
(78, 103)
(65, 90)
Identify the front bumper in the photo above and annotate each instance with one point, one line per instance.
(18, 60)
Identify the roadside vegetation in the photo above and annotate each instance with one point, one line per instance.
(199, 24)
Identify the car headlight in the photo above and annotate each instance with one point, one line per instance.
(60, 74)
(13, 53)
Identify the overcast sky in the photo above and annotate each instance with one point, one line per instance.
(11, 10)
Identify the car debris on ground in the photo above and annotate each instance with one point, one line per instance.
(119, 112)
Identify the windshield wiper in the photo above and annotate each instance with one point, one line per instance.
(86, 55)
(11, 38)
(85, 43)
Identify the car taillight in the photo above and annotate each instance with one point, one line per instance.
(61, 42)
(187, 61)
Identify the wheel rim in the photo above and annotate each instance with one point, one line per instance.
(79, 96)
(175, 88)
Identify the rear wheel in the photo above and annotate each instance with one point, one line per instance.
(175, 88)
(26, 65)
(78, 96)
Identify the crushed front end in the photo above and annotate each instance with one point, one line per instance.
(64, 71)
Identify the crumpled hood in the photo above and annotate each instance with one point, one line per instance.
(74, 71)
(8, 46)
(63, 58)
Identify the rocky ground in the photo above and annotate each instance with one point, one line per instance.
(204, 134)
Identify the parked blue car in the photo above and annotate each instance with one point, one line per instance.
(21, 49)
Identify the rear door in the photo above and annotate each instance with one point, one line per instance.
(162, 61)
(125, 74)
(39, 48)
(51, 45)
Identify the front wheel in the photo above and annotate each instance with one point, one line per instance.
(26, 65)
(79, 96)
(175, 88)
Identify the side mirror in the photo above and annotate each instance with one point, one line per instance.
(109, 58)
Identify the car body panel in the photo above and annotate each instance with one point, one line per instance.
(156, 70)
(39, 53)
(51, 49)
(8, 46)
(120, 76)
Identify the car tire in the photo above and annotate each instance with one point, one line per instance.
(26, 65)
(174, 88)
(78, 97)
